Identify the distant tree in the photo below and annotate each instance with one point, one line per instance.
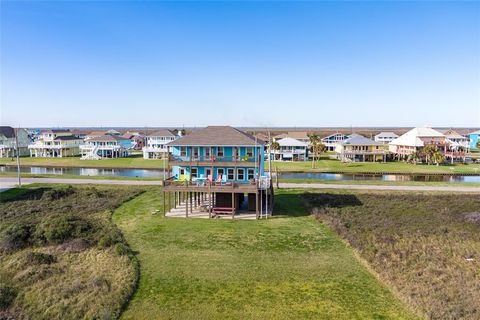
(414, 157)
(274, 146)
(314, 140)
(429, 150)
(437, 157)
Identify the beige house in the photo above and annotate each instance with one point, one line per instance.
(56, 143)
(359, 148)
(8, 144)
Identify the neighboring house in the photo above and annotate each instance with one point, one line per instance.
(106, 146)
(99, 133)
(222, 164)
(415, 140)
(332, 140)
(456, 137)
(155, 146)
(385, 137)
(8, 143)
(298, 135)
(137, 139)
(359, 148)
(56, 143)
(290, 149)
(474, 139)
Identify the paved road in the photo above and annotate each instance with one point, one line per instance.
(8, 182)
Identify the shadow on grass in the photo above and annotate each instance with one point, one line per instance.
(18, 194)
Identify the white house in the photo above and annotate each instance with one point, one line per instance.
(386, 137)
(155, 145)
(291, 149)
(106, 146)
(56, 143)
(455, 137)
(8, 144)
(332, 140)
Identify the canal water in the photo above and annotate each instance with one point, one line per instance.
(158, 173)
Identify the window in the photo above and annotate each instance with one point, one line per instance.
(194, 172)
(241, 174)
(250, 152)
(230, 174)
(181, 171)
(251, 174)
(220, 172)
(196, 152)
(183, 151)
(207, 153)
(220, 152)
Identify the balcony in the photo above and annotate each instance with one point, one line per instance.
(210, 161)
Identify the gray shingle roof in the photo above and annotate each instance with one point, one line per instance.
(161, 133)
(359, 140)
(7, 131)
(217, 136)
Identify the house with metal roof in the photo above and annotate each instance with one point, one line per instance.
(8, 142)
(386, 137)
(415, 140)
(474, 139)
(359, 148)
(156, 144)
(290, 149)
(106, 146)
(56, 143)
(222, 168)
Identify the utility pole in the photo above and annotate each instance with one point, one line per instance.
(17, 151)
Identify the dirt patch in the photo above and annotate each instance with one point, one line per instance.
(75, 245)
(473, 217)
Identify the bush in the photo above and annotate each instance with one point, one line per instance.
(40, 258)
(15, 237)
(61, 228)
(109, 237)
(56, 194)
(121, 249)
(7, 295)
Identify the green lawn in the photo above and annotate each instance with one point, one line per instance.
(323, 165)
(290, 267)
(135, 161)
(330, 165)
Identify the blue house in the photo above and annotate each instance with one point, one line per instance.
(474, 139)
(223, 164)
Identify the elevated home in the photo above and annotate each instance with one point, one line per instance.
(359, 148)
(297, 135)
(156, 144)
(386, 137)
(138, 139)
(456, 138)
(290, 150)
(106, 146)
(474, 140)
(8, 143)
(56, 143)
(415, 140)
(219, 169)
(332, 140)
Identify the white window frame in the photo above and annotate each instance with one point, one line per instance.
(250, 174)
(242, 170)
(230, 172)
(218, 152)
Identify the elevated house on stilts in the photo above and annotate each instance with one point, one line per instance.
(215, 172)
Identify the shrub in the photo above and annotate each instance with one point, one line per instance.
(109, 237)
(7, 295)
(121, 249)
(56, 194)
(15, 237)
(61, 228)
(39, 258)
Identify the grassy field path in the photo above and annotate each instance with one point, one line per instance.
(288, 267)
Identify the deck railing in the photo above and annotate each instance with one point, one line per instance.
(212, 159)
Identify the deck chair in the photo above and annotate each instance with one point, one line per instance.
(218, 181)
(210, 179)
(224, 180)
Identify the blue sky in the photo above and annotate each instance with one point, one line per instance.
(240, 63)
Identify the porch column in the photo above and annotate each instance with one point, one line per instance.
(210, 205)
(191, 202)
(233, 204)
(169, 200)
(186, 205)
(164, 208)
(256, 203)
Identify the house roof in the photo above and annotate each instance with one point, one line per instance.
(293, 134)
(217, 136)
(386, 134)
(333, 135)
(358, 140)
(291, 142)
(66, 138)
(97, 133)
(108, 137)
(7, 131)
(412, 137)
(161, 133)
(450, 133)
(56, 131)
(475, 132)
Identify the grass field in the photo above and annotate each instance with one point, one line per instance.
(426, 246)
(323, 165)
(61, 257)
(135, 161)
(289, 267)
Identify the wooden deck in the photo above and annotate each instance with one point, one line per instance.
(193, 187)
